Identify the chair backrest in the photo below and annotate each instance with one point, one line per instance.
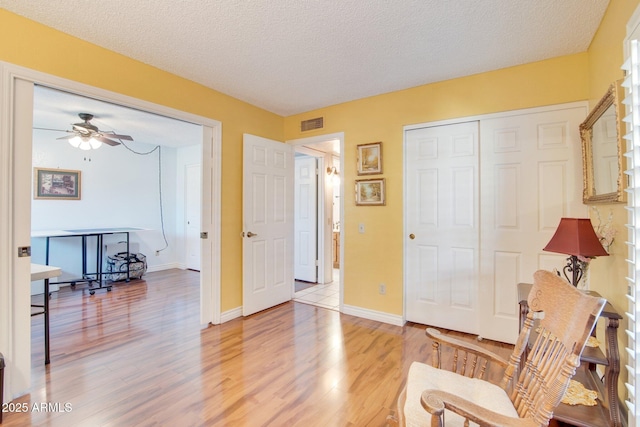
(559, 323)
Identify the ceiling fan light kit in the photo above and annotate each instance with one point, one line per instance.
(85, 143)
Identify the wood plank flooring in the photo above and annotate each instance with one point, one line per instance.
(136, 356)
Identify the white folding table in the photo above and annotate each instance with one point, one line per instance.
(84, 233)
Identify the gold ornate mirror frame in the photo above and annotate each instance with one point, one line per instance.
(602, 158)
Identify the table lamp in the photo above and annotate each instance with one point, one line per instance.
(576, 238)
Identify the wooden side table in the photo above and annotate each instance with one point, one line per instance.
(607, 412)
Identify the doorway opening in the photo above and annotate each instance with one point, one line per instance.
(16, 217)
(318, 214)
(158, 173)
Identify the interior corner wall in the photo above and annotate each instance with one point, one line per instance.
(118, 189)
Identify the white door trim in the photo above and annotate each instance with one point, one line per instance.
(20, 126)
(567, 105)
(13, 281)
(320, 208)
(322, 259)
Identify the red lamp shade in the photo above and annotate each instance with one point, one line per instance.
(575, 236)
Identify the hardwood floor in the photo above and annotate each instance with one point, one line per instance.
(136, 356)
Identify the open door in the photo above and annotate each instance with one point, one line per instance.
(306, 220)
(268, 224)
(193, 207)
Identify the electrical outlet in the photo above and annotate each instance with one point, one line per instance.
(382, 289)
(361, 228)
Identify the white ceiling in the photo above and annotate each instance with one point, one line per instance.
(292, 56)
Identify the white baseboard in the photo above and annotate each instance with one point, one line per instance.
(234, 313)
(160, 267)
(378, 316)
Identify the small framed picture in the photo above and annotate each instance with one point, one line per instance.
(370, 158)
(58, 184)
(370, 192)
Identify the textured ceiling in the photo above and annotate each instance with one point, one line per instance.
(292, 56)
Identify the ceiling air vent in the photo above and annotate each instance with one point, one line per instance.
(312, 124)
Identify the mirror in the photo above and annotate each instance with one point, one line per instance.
(602, 160)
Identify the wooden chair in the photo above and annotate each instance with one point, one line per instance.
(564, 318)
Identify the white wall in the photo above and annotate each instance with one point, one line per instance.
(119, 189)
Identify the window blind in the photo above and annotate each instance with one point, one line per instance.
(632, 154)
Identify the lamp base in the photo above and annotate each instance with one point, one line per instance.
(573, 267)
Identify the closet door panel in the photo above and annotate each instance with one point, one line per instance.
(441, 259)
(531, 177)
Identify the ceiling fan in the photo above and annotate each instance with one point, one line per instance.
(87, 136)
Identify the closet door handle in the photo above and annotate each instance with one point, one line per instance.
(250, 234)
(412, 236)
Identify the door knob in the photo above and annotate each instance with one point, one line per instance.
(412, 236)
(250, 234)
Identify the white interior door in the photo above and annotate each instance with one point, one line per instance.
(532, 176)
(192, 216)
(306, 218)
(268, 223)
(441, 272)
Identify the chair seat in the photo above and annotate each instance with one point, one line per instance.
(423, 377)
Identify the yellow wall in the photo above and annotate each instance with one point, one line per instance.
(35, 46)
(606, 54)
(376, 255)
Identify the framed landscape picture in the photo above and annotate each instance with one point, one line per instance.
(370, 192)
(370, 158)
(58, 184)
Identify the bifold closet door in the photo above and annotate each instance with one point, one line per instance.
(442, 242)
(482, 200)
(531, 177)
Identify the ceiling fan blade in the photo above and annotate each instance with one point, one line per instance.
(54, 130)
(116, 136)
(73, 135)
(107, 140)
